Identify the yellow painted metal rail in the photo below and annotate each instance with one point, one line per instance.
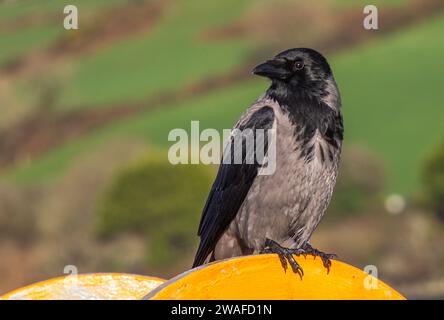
(94, 286)
(250, 277)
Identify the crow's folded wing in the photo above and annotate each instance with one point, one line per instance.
(233, 181)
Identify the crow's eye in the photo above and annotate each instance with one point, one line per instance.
(298, 65)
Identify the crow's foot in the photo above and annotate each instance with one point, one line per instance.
(308, 249)
(284, 254)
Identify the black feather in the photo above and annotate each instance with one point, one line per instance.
(233, 181)
(308, 115)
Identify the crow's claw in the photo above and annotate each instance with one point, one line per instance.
(325, 257)
(284, 255)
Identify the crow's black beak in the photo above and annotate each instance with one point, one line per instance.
(273, 69)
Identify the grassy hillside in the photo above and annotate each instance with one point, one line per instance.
(375, 80)
(163, 68)
(78, 178)
(14, 44)
(390, 89)
(47, 28)
(16, 9)
(106, 76)
(362, 3)
(170, 55)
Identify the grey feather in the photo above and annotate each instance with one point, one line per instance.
(287, 205)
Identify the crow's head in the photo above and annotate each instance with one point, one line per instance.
(299, 71)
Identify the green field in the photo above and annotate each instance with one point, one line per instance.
(15, 44)
(390, 87)
(362, 3)
(81, 182)
(27, 38)
(169, 56)
(16, 9)
(106, 77)
(164, 68)
(391, 93)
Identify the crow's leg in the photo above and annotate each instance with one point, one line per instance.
(308, 249)
(284, 254)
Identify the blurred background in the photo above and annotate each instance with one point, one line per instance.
(85, 116)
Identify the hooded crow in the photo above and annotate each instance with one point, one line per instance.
(248, 212)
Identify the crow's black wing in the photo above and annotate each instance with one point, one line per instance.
(233, 181)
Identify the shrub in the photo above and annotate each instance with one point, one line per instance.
(160, 200)
(360, 182)
(433, 181)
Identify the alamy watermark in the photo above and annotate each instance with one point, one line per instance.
(71, 280)
(371, 19)
(71, 20)
(242, 146)
(371, 281)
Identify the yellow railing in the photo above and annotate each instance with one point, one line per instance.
(250, 277)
